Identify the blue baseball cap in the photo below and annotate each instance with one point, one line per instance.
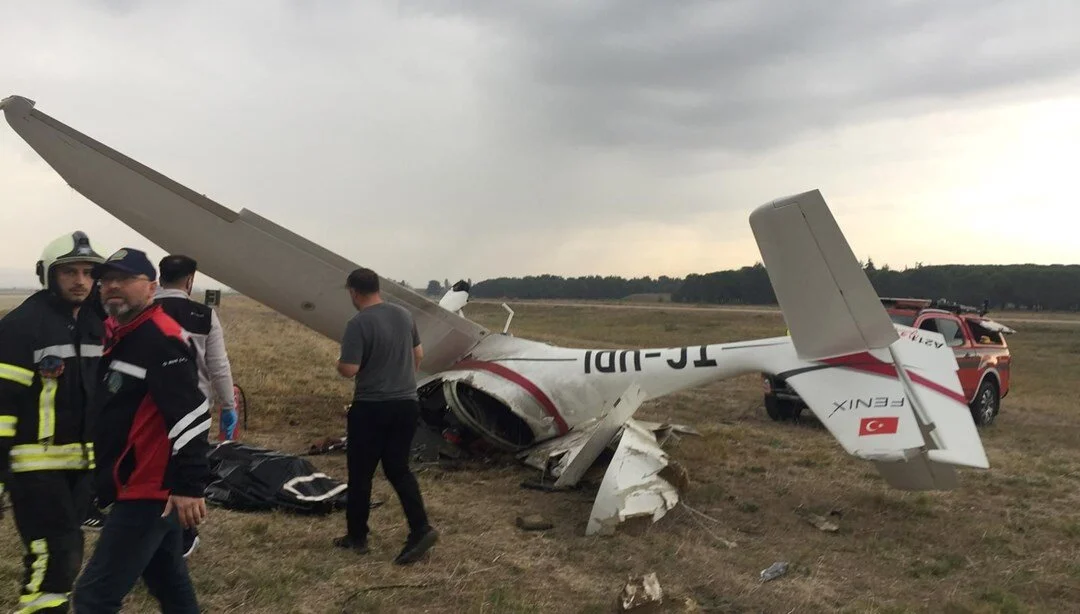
(128, 260)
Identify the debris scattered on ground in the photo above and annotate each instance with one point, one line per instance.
(691, 606)
(666, 432)
(534, 522)
(774, 571)
(641, 594)
(631, 486)
(818, 521)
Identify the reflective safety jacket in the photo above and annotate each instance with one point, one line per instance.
(152, 420)
(48, 368)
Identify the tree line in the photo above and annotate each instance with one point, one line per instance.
(1019, 286)
(592, 287)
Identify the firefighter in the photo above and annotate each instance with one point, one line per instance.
(50, 347)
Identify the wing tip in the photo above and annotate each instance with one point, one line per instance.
(19, 105)
(784, 201)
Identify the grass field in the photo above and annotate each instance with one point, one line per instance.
(8, 301)
(1006, 541)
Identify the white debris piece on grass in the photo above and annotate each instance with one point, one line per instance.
(632, 486)
(821, 522)
(585, 455)
(641, 591)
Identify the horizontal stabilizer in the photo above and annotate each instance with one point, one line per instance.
(901, 408)
(864, 408)
(932, 383)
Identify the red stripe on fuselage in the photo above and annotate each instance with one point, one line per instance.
(865, 361)
(520, 380)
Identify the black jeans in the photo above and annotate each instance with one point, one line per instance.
(49, 508)
(382, 431)
(136, 541)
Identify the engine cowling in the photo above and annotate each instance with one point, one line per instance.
(501, 411)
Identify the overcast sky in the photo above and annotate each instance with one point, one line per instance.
(483, 138)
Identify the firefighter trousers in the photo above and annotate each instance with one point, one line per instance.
(49, 507)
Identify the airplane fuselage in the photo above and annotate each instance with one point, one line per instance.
(549, 389)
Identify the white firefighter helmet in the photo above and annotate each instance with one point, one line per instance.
(73, 247)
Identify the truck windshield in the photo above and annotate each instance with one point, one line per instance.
(902, 318)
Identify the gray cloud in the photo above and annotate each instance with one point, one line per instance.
(493, 138)
(747, 75)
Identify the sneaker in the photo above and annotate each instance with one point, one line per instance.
(94, 519)
(347, 542)
(416, 547)
(191, 541)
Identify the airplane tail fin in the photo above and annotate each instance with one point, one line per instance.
(890, 394)
(828, 302)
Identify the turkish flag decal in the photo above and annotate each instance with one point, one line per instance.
(879, 426)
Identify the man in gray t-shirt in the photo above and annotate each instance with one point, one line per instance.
(382, 339)
(381, 350)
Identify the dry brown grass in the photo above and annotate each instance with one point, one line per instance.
(1005, 542)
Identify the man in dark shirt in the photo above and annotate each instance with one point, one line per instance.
(150, 443)
(203, 329)
(381, 350)
(50, 347)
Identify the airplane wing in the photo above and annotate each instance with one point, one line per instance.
(291, 275)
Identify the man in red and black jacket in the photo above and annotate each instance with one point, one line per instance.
(150, 443)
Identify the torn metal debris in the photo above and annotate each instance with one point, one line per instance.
(581, 458)
(821, 522)
(632, 486)
(640, 592)
(774, 571)
(638, 482)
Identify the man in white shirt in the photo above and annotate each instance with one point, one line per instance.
(176, 274)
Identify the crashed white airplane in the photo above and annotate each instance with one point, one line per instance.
(557, 407)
